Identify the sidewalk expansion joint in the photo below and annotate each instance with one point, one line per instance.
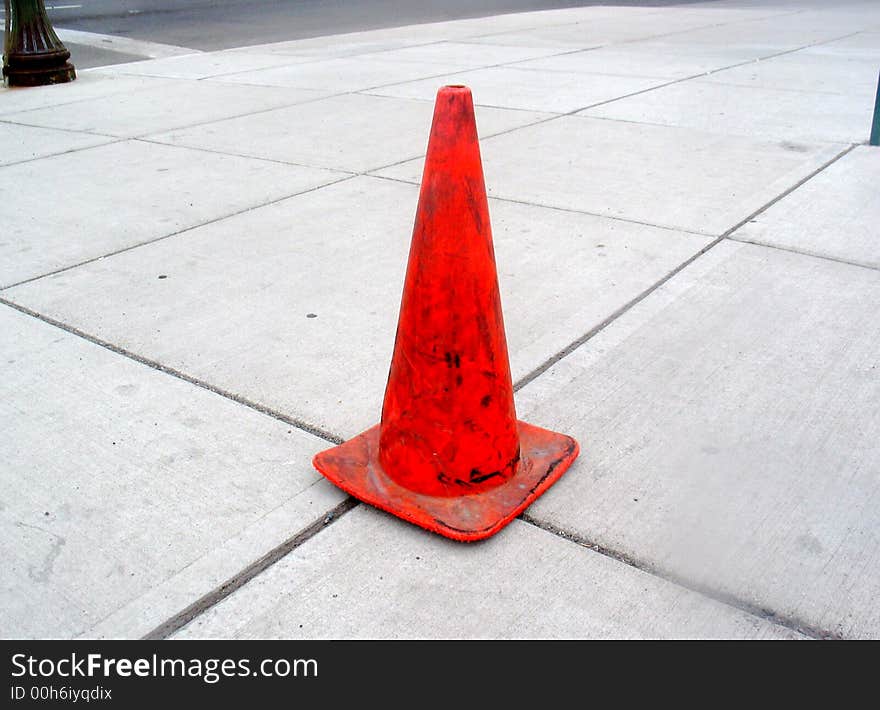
(238, 399)
(212, 598)
(650, 37)
(61, 104)
(209, 121)
(761, 612)
(570, 210)
(6, 118)
(9, 117)
(575, 344)
(576, 111)
(276, 161)
(371, 54)
(616, 218)
(462, 70)
(112, 141)
(785, 193)
(799, 252)
(184, 230)
(711, 72)
(96, 134)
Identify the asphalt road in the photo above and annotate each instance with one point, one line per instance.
(222, 24)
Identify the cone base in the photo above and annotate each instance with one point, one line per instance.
(544, 457)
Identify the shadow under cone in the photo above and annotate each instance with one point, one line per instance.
(449, 454)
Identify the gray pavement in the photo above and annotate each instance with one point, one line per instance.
(200, 267)
(223, 24)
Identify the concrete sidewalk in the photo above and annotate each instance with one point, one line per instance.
(200, 268)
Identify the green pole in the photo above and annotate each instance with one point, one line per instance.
(7, 17)
(875, 126)
(33, 53)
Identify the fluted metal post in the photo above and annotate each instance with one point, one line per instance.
(33, 53)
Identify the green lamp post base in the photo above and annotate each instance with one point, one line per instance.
(34, 54)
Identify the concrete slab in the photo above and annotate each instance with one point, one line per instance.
(353, 43)
(202, 66)
(369, 576)
(20, 143)
(835, 214)
(863, 45)
(88, 85)
(115, 196)
(770, 114)
(304, 294)
(126, 45)
(649, 59)
(673, 177)
(728, 420)
(339, 46)
(828, 73)
(175, 104)
(792, 30)
(352, 132)
(337, 75)
(462, 54)
(127, 493)
(88, 55)
(528, 90)
(527, 21)
(730, 435)
(624, 24)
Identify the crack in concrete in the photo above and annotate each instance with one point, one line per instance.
(42, 574)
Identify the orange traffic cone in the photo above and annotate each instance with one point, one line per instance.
(450, 454)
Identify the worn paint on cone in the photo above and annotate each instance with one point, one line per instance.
(448, 423)
(450, 454)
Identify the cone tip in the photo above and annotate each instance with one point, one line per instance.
(451, 89)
